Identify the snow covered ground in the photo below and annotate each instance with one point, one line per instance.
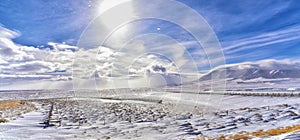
(29, 127)
(135, 116)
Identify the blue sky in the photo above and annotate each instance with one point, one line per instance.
(40, 22)
(247, 31)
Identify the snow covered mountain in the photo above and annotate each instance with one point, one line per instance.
(266, 69)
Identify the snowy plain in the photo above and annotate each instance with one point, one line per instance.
(142, 116)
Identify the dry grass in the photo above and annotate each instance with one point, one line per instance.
(283, 130)
(10, 109)
(271, 132)
(240, 137)
(260, 133)
(10, 104)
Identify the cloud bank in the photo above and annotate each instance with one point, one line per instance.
(65, 66)
(21, 64)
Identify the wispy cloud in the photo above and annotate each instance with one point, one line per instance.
(263, 40)
(278, 44)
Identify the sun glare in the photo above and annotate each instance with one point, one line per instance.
(107, 4)
(123, 12)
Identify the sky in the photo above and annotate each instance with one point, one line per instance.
(46, 43)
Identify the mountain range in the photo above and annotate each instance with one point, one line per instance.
(266, 69)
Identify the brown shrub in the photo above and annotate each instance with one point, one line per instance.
(3, 120)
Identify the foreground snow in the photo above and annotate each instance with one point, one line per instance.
(29, 127)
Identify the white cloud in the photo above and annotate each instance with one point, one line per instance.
(27, 63)
(6, 33)
(12, 52)
(28, 67)
(62, 47)
(14, 76)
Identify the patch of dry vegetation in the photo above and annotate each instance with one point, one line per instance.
(3, 120)
(240, 137)
(10, 109)
(10, 104)
(260, 133)
(271, 132)
(283, 130)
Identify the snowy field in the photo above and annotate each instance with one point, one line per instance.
(152, 115)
